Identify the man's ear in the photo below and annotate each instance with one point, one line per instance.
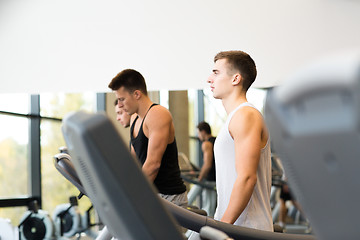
(237, 79)
(137, 94)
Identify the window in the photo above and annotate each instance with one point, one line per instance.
(14, 146)
(214, 112)
(13, 156)
(15, 103)
(257, 97)
(53, 107)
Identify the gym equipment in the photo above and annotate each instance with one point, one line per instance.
(212, 233)
(67, 219)
(87, 225)
(299, 224)
(36, 224)
(7, 231)
(115, 184)
(276, 180)
(185, 165)
(314, 123)
(63, 149)
(204, 184)
(205, 191)
(207, 199)
(63, 164)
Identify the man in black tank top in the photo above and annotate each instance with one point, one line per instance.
(208, 168)
(152, 135)
(207, 171)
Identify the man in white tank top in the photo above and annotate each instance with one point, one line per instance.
(242, 148)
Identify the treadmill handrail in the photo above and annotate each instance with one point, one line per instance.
(195, 222)
(204, 184)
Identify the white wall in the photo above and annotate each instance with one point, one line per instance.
(79, 45)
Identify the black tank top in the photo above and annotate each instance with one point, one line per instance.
(211, 175)
(168, 180)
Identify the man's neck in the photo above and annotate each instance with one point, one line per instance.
(144, 105)
(231, 101)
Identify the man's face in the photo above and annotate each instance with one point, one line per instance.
(201, 135)
(220, 81)
(122, 116)
(126, 101)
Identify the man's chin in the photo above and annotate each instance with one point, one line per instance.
(216, 96)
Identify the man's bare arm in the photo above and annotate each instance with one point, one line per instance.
(158, 124)
(245, 128)
(207, 149)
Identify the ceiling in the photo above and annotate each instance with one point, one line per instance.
(74, 46)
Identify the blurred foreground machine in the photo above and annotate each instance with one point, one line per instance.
(314, 123)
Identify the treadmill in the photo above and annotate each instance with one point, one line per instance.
(125, 200)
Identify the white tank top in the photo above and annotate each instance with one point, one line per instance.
(257, 213)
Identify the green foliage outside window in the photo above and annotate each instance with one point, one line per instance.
(55, 188)
(13, 176)
(14, 154)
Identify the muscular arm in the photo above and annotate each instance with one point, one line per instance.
(245, 128)
(207, 149)
(158, 125)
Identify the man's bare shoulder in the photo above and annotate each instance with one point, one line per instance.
(158, 114)
(247, 113)
(206, 145)
(245, 118)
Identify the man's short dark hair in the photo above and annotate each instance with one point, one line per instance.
(204, 126)
(242, 62)
(130, 79)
